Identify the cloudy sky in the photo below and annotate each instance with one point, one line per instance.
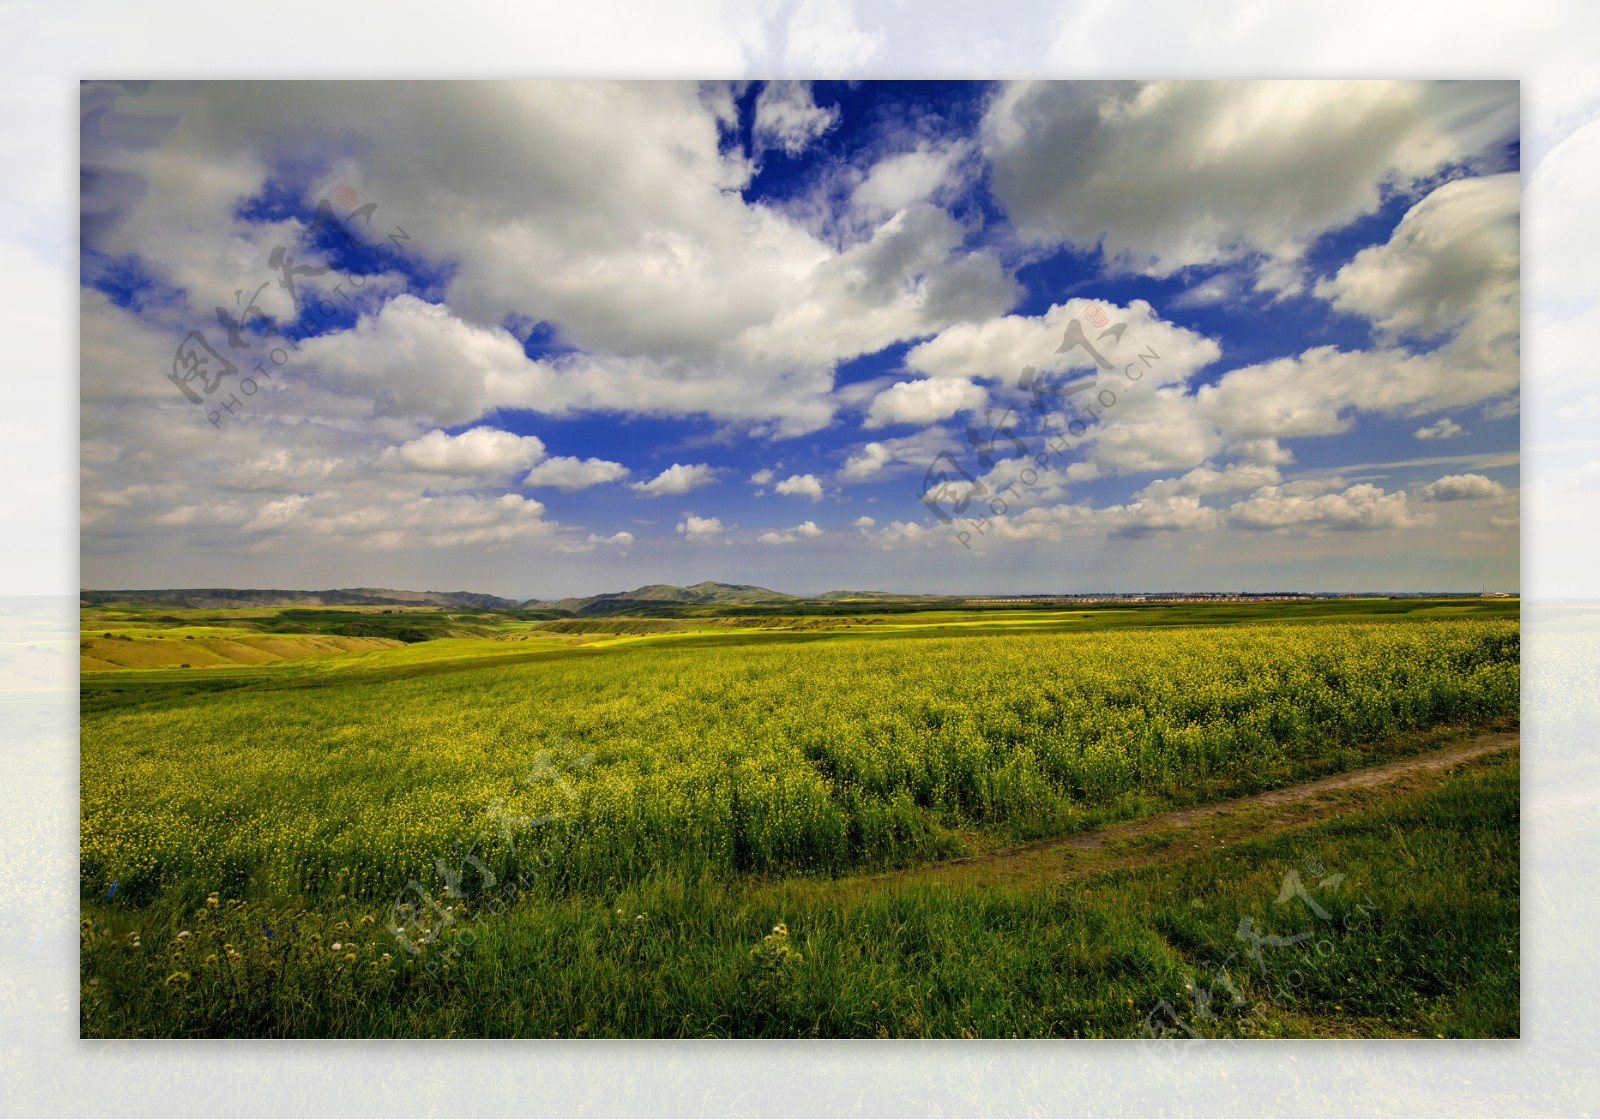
(546, 338)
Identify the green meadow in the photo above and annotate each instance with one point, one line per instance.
(711, 821)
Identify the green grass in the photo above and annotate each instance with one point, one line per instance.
(1430, 888)
(817, 756)
(709, 774)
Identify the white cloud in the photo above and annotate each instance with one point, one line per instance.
(1453, 258)
(787, 118)
(801, 485)
(1000, 348)
(789, 536)
(762, 477)
(1168, 175)
(903, 532)
(898, 180)
(893, 456)
(676, 295)
(864, 522)
(418, 359)
(1362, 506)
(1461, 487)
(566, 472)
(478, 452)
(679, 478)
(699, 528)
(924, 402)
(1443, 428)
(1233, 478)
(397, 521)
(865, 463)
(823, 38)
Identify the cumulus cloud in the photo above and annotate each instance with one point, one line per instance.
(1167, 175)
(824, 38)
(877, 459)
(805, 529)
(1461, 487)
(399, 522)
(865, 463)
(1000, 348)
(1321, 392)
(898, 533)
(659, 288)
(480, 452)
(924, 402)
(788, 118)
(566, 472)
(699, 528)
(1453, 258)
(898, 180)
(671, 293)
(1234, 477)
(1362, 506)
(1443, 428)
(679, 478)
(864, 522)
(801, 485)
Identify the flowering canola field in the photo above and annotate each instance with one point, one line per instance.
(606, 768)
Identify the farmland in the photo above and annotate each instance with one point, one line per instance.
(650, 797)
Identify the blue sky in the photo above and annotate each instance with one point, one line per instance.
(564, 338)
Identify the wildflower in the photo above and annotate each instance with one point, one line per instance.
(386, 956)
(183, 935)
(349, 956)
(178, 978)
(337, 946)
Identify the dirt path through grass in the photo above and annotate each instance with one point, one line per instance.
(1185, 832)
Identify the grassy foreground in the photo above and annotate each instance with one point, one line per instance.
(729, 831)
(1421, 940)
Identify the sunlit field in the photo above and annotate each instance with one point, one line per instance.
(263, 839)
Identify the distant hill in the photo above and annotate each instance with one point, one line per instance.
(214, 598)
(646, 598)
(704, 593)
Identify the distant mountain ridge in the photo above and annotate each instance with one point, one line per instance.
(216, 598)
(705, 593)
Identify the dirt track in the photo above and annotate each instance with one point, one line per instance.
(1185, 831)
